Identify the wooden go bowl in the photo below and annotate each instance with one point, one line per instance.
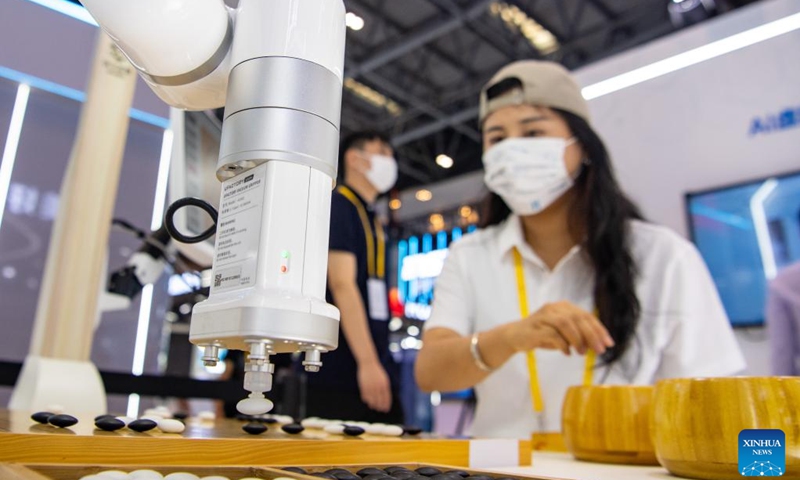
(696, 422)
(609, 424)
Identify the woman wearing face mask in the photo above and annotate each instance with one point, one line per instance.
(566, 285)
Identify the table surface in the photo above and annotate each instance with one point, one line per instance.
(563, 466)
(32, 443)
(222, 442)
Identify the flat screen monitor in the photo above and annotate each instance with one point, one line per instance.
(746, 234)
(193, 174)
(420, 259)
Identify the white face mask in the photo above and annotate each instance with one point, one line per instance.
(528, 173)
(382, 173)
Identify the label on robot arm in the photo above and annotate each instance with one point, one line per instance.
(239, 230)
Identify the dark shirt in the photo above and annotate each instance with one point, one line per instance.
(339, 368)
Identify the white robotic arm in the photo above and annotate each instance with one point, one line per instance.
(181, 48)
(277, 67)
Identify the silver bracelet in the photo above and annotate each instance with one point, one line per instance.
(476, 355)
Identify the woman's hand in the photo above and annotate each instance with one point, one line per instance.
(559, 326)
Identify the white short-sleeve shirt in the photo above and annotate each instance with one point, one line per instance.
(683, 330)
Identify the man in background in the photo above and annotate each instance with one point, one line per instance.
(359, 380)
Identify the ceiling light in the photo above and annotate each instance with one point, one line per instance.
(423, 195)
(353, 21)
(444, 161)
(466, 211)
(395, 204)
(517, 20)
(372, 96)
(437, 222)
(693, 57)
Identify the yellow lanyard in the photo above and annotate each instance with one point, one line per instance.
(368, 232)
(536, 390)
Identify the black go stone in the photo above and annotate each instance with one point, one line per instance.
(109, 424)
(142, 425)
(412, 430)
(403, 475)
(243, 417)
(180, 415)
(254, 428)
(295, 470)
(103, 417)
(348, 476)
(335, 471)
(395, 469)
(293, 428)
(505, 478)
(342, 474)
(353, 431)
(323, 475)
(364, 472)
(428, 471)
(378, 476)
(62, 421)
(480, 477)
(41, 417)
(446, 476)
(460, 473)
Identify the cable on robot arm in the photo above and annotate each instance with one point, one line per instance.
(169, 220)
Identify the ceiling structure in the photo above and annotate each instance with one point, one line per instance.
(415, 67)
(427, 60)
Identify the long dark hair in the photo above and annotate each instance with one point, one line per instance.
(603, 213)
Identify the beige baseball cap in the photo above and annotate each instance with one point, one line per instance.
(544, 83)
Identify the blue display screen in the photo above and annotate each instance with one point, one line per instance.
(420, 260)
(746, 234)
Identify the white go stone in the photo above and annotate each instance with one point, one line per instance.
(254, 405)
(168, 425)
(313, 423)
(392, 431)
(207, 416)
(145, 475)
(55, 408)
(181, 476)
(163, 408)
(284, 419)
(113, 475)
(126, 420)
(335, 429)
(155, 418)
(374, 429)
(90, 477)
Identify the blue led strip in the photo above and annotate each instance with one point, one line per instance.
(67, 8)
(73, 94)
(456, 234)
(402, 286)
(427, 243)
(441, 240)
(413, 290)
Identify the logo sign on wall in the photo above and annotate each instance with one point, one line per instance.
(787, 118)
(762, 453)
